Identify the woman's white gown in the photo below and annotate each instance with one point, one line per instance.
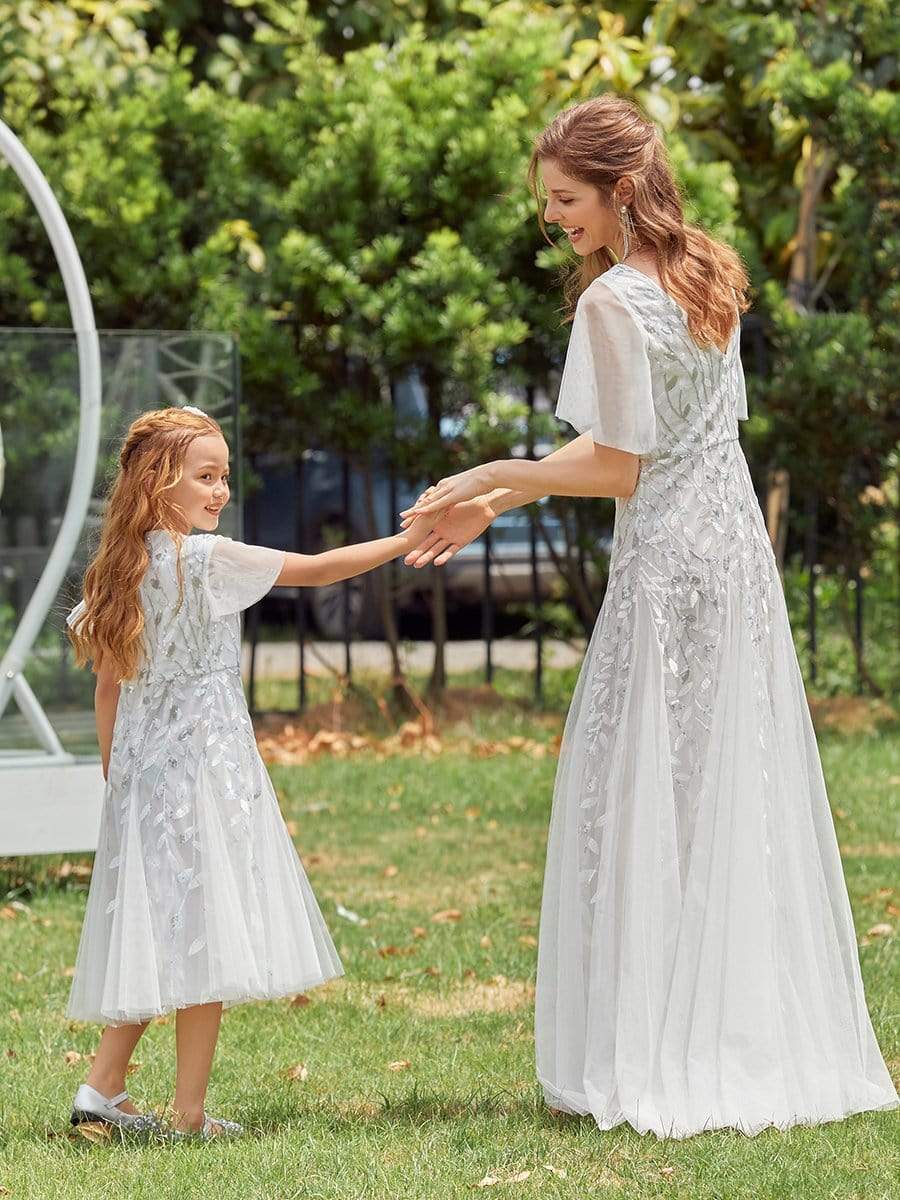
(697, 961)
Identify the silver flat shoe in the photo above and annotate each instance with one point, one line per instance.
(91, 1105)
(208, 1130)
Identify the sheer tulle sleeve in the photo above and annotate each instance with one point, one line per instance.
(605, 386)
(238, 574)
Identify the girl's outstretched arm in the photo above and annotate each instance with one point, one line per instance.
(106, 702)
(331, 566)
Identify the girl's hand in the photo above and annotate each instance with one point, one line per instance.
(453, 490)
(416, 532)
(457, 527)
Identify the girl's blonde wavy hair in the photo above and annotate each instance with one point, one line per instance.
(598, 142)
(151, 462)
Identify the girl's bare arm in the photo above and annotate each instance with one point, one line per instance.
(106, 703)
(344, 562)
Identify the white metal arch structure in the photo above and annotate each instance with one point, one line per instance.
(12, 679)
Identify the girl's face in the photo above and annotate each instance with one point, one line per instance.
(202, 492)
(577, 207)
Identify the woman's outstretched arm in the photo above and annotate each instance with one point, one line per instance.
(468, 519)
(582, 468)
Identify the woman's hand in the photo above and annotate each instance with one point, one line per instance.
(454, 490)
(457, 527)
(415, 531)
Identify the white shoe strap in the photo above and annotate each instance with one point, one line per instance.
(117, 1100)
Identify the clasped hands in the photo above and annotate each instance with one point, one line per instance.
(462, 505)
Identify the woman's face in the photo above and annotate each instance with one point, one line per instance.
(578, 208)
(202, 492)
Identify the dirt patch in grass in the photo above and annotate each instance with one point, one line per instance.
(365, 713)
(498, 995)
(851, 714)
(872, 850)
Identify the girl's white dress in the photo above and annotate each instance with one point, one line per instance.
(197, 893)
(698, 965)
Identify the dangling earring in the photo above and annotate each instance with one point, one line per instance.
(627, 231)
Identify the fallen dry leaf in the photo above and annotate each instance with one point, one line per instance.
(880, 930)
(402, 1064)
(94, 1131)
(667, 1171)
(299, 1072)
(8, 913)
(300, 1001)
(559, 1172)
(395, 951)
(485, 942)
(71, 1057)
(528, 939)
(435, 971)
(390, 872)
(447, 914)
(419, 932)
(488, 1181)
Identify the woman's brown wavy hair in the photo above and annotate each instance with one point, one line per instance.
(598, 142)
(151, 462)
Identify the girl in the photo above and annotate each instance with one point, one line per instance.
(197, 897)
(697, 964)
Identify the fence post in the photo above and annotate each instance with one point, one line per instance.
(812, 549)
(253, 614)
(487, 612)
(300, 603)
(345, 586)
(858, 627)
(535, 580)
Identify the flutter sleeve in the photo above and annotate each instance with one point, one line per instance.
(606, 386)
(239, 574)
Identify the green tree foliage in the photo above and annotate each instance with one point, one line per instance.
(342, 185)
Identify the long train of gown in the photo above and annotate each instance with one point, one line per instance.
(697, 964)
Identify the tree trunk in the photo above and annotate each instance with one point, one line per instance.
(777, 498)
(438, 680)
(816, 162)
(802, 293)
(381, 581)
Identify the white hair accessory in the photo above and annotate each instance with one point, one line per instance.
(191, 408)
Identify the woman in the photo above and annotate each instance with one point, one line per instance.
(697, 965)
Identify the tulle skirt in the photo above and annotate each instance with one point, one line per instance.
(197, 892)
(697, 963)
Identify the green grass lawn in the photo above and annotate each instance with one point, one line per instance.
(396, 841)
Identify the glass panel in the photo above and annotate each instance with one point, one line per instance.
(39, 416)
